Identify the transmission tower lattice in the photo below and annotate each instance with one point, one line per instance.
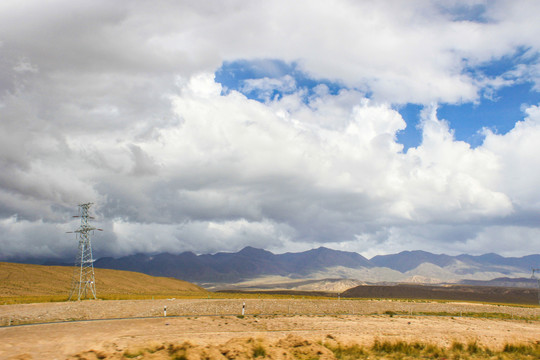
(83, 284)
(537, 280)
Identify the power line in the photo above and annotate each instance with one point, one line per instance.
(83, 284)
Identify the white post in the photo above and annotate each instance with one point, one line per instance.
(165, 310)
(243, 307)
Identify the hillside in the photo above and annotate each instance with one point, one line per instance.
(233, 267)
(40, 280)
(250, 264)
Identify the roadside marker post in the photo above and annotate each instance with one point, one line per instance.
(165, 310)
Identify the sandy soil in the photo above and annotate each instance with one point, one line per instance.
(84, 310)
(114, 337)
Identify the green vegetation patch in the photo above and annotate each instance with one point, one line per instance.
(293, 347)
(415, 350)
(259, 351)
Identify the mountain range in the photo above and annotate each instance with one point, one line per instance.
(252, 265)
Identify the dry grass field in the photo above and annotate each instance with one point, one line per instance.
(205, 325)
(36, 283)
(271, 328)
(17, 314)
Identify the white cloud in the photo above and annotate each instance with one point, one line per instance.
(241, 159)
(460, 180)
(509, 240)
(265, 87)
(116, 103)
(402, 51)
(33, 239)
(234, 172)
(518, 154)
(25, 66)
(201, 236)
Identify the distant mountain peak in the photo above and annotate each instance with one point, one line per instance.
(250, 250)
(322, 248)
(251, 262)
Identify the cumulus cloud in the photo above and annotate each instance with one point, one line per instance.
(403, 51)
(117, 104)
(517, 151)
(266, 87)
(236, 172)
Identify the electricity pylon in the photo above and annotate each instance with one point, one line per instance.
(538, 281)
(83, 284)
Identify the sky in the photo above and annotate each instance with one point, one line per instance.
(207, 126)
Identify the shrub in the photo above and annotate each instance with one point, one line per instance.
(522, 349)
(473, 347)
(457, 350)
(132, 354)
(389, 347)
(457, 346)
(349, 352)
(434, 351)
(259, 350)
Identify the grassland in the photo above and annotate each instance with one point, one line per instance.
(295, 347)
(415, 350)
(24, 283)
(289, 337)
(202, 324)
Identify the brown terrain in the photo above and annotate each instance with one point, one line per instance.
(19, 280)
(491, 294)
(509, 295)
(284, 328)
(200, 326)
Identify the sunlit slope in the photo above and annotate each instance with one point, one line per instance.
(39, 280)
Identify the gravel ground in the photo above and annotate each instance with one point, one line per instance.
(85, 310)
(110, 339)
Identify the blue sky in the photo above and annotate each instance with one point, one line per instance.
(498, 111)
(232, 76)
